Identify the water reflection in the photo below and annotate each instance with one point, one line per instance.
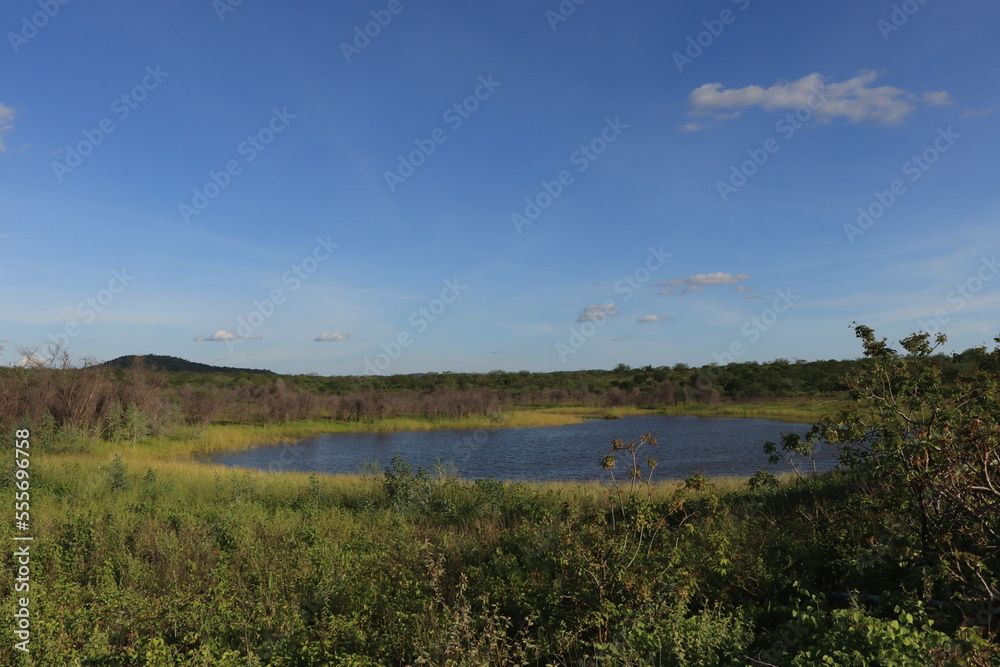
(686, 445)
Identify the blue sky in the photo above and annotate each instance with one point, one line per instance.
(473, 186)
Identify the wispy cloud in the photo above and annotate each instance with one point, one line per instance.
(331, 338)
(654, 318)
(745, 291)
(6, 123)
(220, 335)
(530, 329)
(976, 113)
(855, 99)
(597, 313)
(718, 278)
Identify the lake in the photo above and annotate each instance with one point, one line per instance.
(714, 446)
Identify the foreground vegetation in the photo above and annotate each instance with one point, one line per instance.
(144, 558)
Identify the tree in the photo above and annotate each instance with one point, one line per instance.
(930, 449)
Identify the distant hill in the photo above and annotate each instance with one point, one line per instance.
(161, 362)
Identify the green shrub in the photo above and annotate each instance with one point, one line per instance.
(762, 479)
(853, 637)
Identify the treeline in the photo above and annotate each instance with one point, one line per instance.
(132, 397)
(660, 384)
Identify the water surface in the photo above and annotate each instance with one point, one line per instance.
(714, 446)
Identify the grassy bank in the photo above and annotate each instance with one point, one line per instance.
(187, 441)
(803, 409)
(144, 556)
(143, 559)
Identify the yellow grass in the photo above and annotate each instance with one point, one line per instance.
(804, 409)
(180, 454)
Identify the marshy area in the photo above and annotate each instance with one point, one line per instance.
(144, 555)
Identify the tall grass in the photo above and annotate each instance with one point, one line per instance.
(142, 557)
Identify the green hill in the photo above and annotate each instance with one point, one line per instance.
(161, 362)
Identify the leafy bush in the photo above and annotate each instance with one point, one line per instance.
(762, 479)
(855, 638)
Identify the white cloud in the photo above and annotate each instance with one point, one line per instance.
(666, 291)
(855, 99)
(718, 278)
(654, 318)
(220, 335)
(334, 337)
(598, 313)
(938, 98)
(975, 113)
(6, 123)
(530, 329)
(31, 360)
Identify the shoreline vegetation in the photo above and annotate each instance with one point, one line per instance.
(145, 555)
(198, 441)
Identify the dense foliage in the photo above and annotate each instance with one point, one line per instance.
(891, 560)
(156, 393)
